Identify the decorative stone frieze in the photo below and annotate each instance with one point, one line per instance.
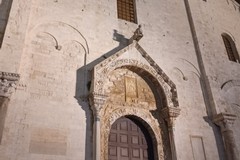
(8, 82)
(146, 66)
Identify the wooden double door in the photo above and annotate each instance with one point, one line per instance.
(129, 140)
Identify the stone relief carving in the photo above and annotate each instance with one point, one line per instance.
(111, 106)
(97, 101)
(171, 94)
(120, 84)
(130, 89)
(8, 83)
(103, 69)
(138, 34)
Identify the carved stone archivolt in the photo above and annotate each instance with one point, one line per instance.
(152, 125)
(146, 68)
(125, 86)
(8, 83)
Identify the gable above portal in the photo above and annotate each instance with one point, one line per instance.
(136, 59)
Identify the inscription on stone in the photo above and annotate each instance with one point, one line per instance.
(48, 141)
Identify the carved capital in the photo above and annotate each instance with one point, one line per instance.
(8, 82)
(97, 101)
(170, 114)
(224, 120)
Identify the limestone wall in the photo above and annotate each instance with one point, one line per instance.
(218, 17)
(53, 45)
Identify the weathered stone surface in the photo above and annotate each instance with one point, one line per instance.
(48, 141)
(64, 50)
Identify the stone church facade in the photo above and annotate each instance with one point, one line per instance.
(119, 80)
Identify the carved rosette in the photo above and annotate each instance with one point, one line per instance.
(8, 83)
(170, 114)
(225, 121)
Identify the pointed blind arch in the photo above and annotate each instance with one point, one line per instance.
(230, 48)
(126, 10)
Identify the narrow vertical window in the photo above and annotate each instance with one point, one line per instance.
(5, 6)
(126, 10)
(230, 48)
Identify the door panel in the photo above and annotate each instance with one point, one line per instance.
(129, 140)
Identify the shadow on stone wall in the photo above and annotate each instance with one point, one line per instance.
(5, 7)
(215, 129)
(83, 83)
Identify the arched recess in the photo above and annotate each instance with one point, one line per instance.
(117, 70)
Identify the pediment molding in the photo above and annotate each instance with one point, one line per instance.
(135, 58)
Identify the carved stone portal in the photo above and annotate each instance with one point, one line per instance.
(124, 86)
